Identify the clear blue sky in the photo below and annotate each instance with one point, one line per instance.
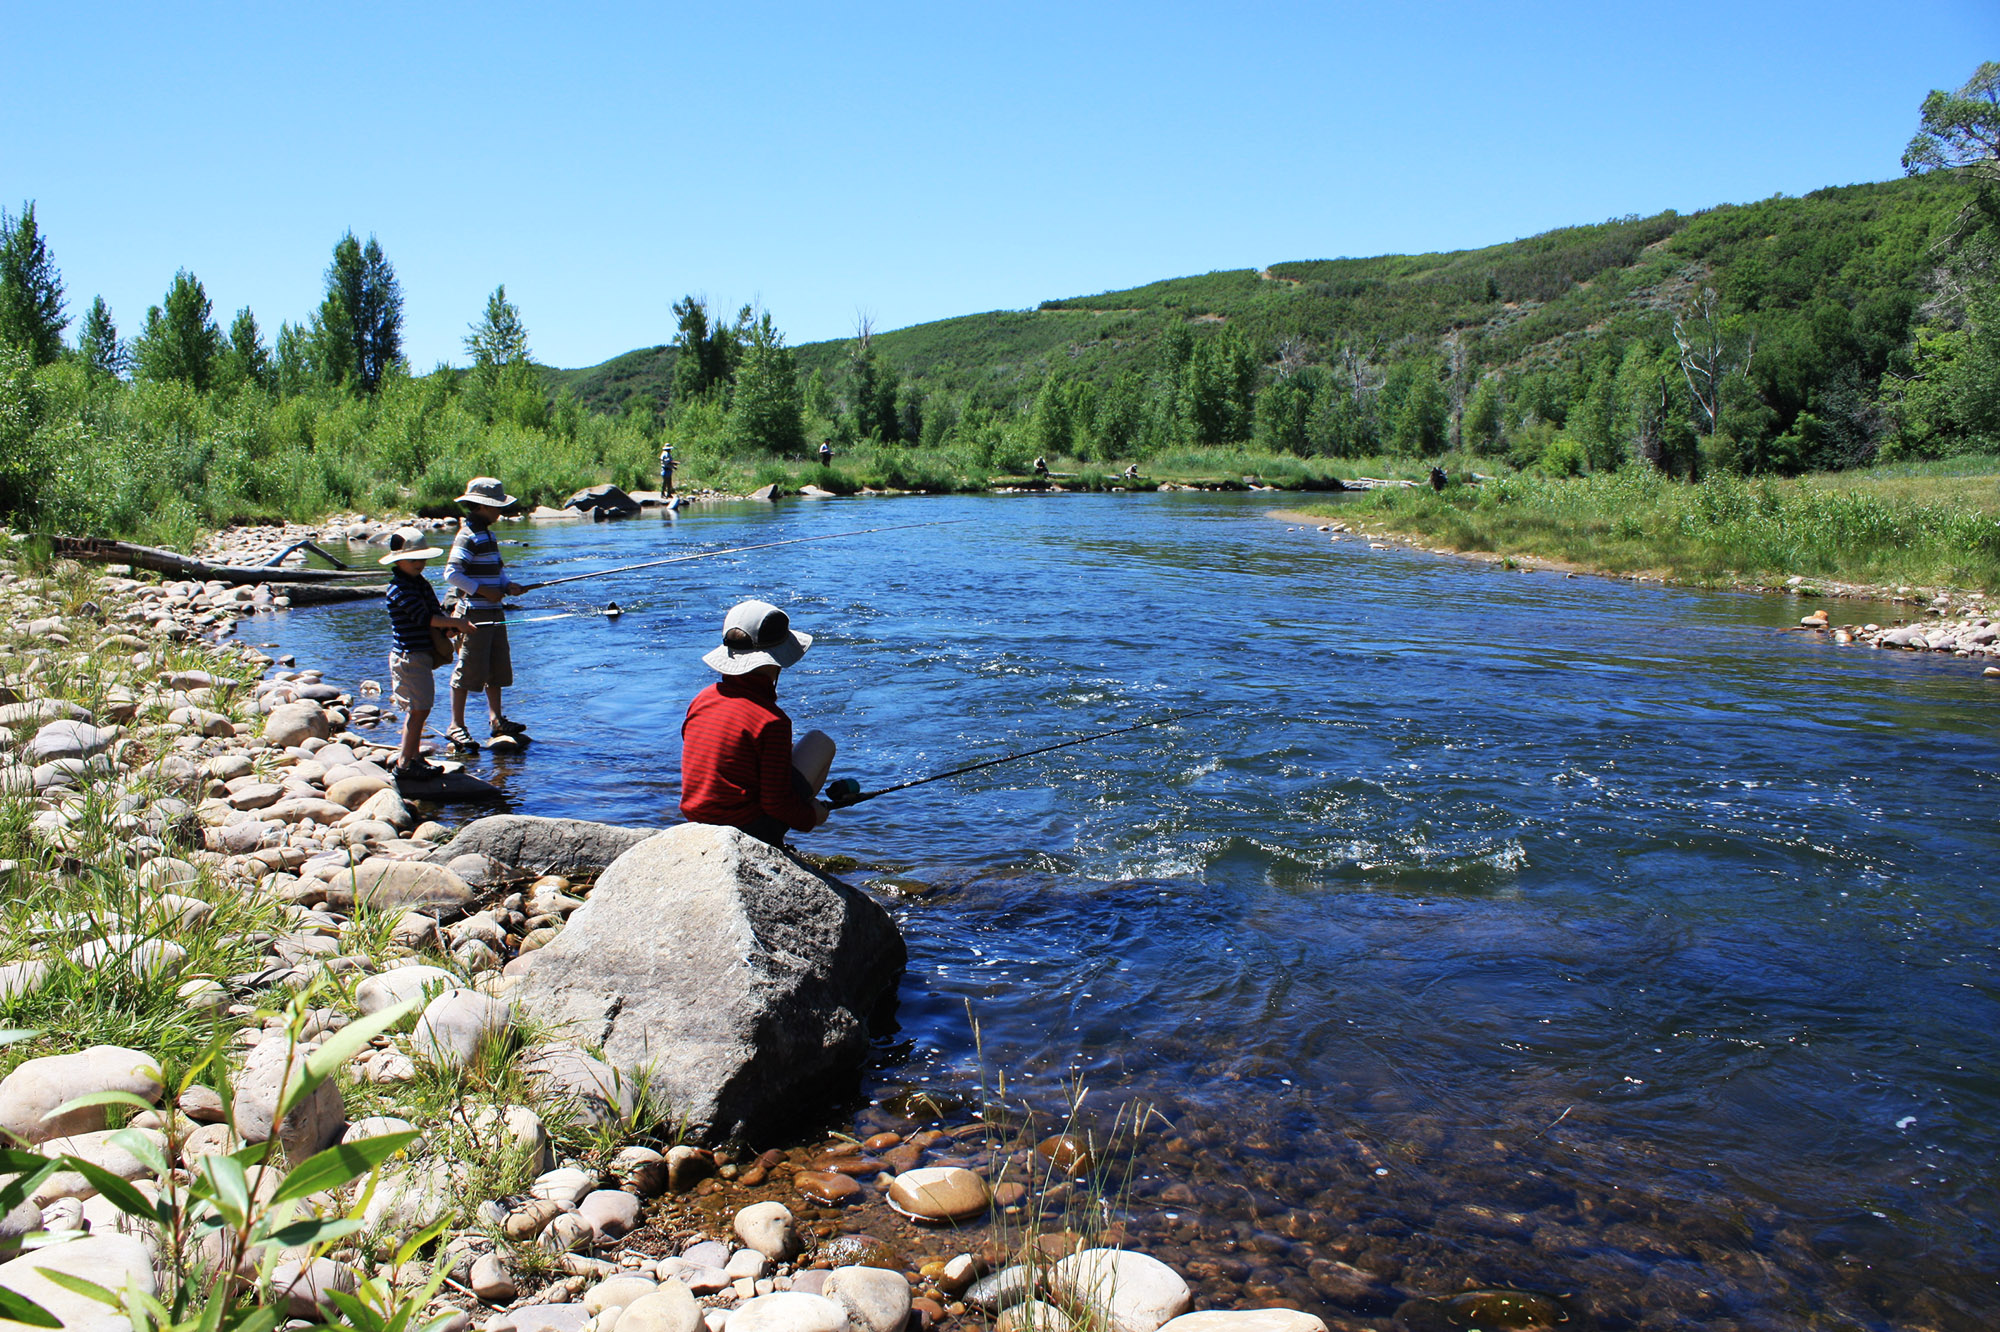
(907, 161)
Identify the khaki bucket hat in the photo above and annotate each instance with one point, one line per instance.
(485, 490)
(409, 544)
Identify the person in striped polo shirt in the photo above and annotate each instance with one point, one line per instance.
(474, 567)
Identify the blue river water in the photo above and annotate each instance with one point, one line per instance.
(1499, 929)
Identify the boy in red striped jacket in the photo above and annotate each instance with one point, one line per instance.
(739, 766)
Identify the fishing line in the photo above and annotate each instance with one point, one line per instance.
(847, 791)
(735, 550)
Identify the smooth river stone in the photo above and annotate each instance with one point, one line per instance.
(861, 1167)
(939, 1193)
(826, 1187)
(1247, 1320)
(789, 1311)
(1037, 1316)
(1135, 1292)
(768, 1228)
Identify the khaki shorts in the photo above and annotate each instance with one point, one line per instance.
(482, 659)
(412, 682)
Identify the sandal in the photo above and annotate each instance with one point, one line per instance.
(501, 726)
(418, 769)
(460, 738)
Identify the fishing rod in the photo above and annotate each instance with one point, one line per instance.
(847, 791)
(734, 550)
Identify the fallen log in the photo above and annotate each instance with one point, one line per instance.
(319, 594)
(100, 550)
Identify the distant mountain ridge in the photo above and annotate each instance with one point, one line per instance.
(1866, 249)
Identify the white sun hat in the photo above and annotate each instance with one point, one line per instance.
(756, 633)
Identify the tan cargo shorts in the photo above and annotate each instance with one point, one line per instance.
(483, 661)
(412, 681)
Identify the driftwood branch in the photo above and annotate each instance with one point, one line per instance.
(98, 550)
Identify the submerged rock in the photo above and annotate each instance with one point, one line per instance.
(727, 971)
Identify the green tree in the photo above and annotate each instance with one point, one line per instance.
(706, 351)
(910, 412)
(1949, 402)
(499, 339)
(1480, 429)
(31, 291)
(293, 357)
(364, 308)
(1960, 129)
(247, 360)
(888, 385)
(503, 377)
(818, 398)
(98, 344)
(1049, 427)
(181, 341)
(1219, 388)
(330, 342)
(1420, 414)
(1284, 415)
(765, 407)
(863, 385)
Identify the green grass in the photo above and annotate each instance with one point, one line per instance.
(1931, 527)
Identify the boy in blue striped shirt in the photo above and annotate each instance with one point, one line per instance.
(476, 570)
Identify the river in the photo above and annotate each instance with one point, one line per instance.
(1500, 929)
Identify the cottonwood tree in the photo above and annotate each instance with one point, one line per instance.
(503, 377)
(98, 345)
(1950, 400)
(367, 287)
(765, 408)
(247, 361)
(180, 341)
(31, 291)
(706, 350)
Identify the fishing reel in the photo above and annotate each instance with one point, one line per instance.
(842, 793)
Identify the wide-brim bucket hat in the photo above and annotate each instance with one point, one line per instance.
(486, 490)
(409, 544)
(756, 633)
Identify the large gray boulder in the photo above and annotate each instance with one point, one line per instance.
(720, 973)
(532, 845)
(603, 502)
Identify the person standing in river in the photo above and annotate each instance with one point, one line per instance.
(414, 610)
(739, 766)
(476, 570)
(667, 470)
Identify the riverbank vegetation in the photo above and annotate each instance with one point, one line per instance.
(1930, 525)
(1853, 326)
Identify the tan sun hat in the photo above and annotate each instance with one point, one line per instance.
(409, 544)
(485, 490)
(754, 634)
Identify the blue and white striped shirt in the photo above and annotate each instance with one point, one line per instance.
(474, 563)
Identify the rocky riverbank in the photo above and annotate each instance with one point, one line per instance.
(211, 881)
(1965, 631)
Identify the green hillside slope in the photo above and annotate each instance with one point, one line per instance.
(1815, 298)
(1860, 244)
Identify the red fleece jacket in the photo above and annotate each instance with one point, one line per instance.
(736, 757)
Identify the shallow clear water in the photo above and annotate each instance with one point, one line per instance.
(1502, 929)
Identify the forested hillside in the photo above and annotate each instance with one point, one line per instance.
(1796, 308)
